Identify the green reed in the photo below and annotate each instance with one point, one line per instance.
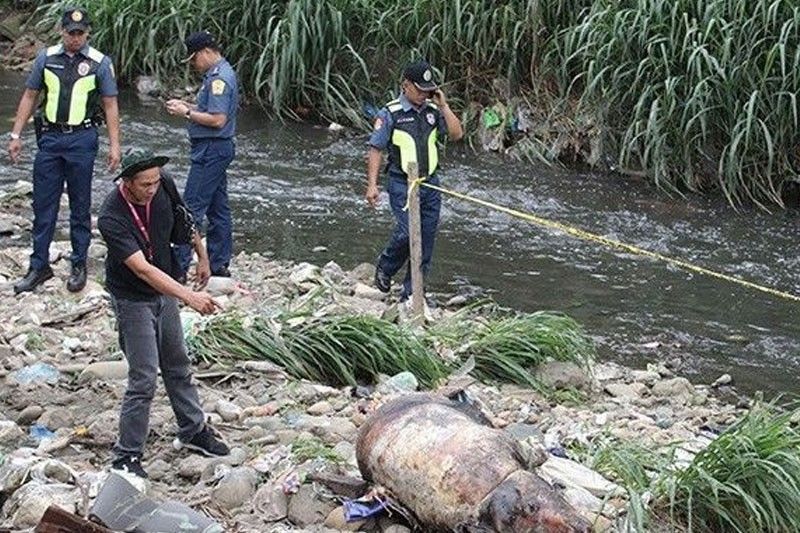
(694, 94)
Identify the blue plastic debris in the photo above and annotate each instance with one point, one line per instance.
(39, 433)
(36, 373)
(362, 508)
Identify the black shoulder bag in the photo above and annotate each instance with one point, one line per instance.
(183, 222)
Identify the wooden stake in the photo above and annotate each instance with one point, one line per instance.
(415, 244)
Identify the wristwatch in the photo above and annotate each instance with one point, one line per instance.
(14, 136)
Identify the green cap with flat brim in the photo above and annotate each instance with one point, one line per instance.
(136, 160)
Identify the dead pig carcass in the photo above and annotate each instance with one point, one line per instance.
(455, 473)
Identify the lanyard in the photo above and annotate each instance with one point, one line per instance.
(142, 225)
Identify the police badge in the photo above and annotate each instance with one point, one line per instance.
(430, 118)
(83, 68)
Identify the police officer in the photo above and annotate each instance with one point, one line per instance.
(409, 128)
(77, 81)
(212, 125)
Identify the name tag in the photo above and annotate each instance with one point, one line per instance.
(403, 120)
(55, 66)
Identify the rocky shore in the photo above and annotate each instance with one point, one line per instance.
(293, 443)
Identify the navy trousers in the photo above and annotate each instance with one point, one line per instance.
(63, 157)
(396, 253)
(206, 195)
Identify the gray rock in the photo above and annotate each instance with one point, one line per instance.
(336, 520)
(675, 388)
(29, 503)
(563, 375)
(271, 503)
(235, 488)
(396, 528)
(304, 273)
(218, 286)
(305, 508)
(57, 418)
(29, 415)
(609, 372)
(524, 431)
(320, 408)
(192, 466)
(97, 250)
(645, 376)
(158, 469)
(402, 382)
(625, 391)
(365, 273)
(10, 433)
(367, 292)
(104, 371)
(227, 410)
(724, 379)
(333, 272)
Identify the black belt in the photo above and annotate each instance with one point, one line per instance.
(69, 128)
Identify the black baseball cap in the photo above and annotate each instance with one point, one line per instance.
(75, 18)
(197, 41)
(138, 159)
(421, 75)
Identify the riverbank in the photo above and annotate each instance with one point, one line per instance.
(64, 379)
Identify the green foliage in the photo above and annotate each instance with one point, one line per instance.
(308, 449)
(35, 341)
(747, 480)
(696, 94)
(346, 350)
(340, 350)
(699, 94)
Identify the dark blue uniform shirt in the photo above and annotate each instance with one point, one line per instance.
(219, 93)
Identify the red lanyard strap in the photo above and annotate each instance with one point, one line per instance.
(142, 225)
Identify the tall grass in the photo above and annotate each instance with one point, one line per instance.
(747, 480)
(346, 350)
(695, 94)
(700, 94)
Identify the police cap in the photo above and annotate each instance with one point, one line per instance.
(75, 18)
(421, 75)
(199, 40)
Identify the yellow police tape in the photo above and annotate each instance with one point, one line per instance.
(581, 234)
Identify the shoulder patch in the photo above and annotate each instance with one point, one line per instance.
(96, 55)
(378, 124)
(53, 50)
(217, 87)
(434, 106)
(394, 106)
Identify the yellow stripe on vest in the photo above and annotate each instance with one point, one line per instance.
(433, 152)
(408, 148)
(53, 85)
(79, 100)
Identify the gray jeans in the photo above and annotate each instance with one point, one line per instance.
(151, 336)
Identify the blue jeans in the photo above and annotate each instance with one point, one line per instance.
(396, 253)
(63, 157)
(151, 337)
(206, 195)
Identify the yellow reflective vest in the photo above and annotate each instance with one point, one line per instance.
(71, 86)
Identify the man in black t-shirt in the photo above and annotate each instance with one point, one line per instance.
(136, 221)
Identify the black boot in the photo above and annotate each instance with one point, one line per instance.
(33, 279)
(77, 278)
(382, 280)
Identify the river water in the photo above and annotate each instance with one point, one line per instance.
(294, 188)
